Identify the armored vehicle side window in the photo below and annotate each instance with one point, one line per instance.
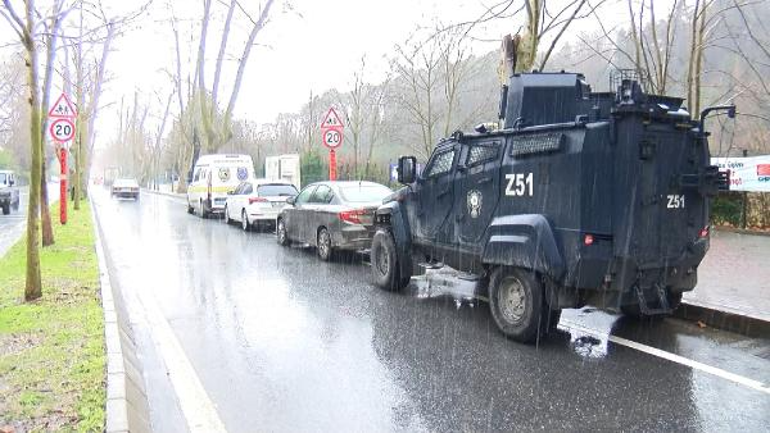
(481, 153)
(441, 164)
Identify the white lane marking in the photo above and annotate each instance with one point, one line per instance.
(198, 409)
(732, 377)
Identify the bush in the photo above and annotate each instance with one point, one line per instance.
(313, 168)
(727, 209)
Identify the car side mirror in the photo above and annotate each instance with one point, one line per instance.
(291, 200)
(407, 169)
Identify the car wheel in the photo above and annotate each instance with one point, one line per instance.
(190, 209)
(203, 212)
(385, 263)
(324, 245)
(245, 221)
(280, 233)
(516, 301)
(7, 209)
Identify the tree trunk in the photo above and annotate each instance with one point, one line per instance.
(33, 286)
(45, 212)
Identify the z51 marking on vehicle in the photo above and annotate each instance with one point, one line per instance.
(675, 201)
(519, 185)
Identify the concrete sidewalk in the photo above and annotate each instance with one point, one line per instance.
(165, 189)
(733, 290)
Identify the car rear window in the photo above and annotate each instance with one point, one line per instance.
(276, 190)
(125, 183)
(364, 193)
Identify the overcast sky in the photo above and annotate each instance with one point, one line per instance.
(317, 46)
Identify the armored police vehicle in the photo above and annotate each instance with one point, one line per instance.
(580, 198)
(9, 192)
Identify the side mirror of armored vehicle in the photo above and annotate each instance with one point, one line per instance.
(407, 169)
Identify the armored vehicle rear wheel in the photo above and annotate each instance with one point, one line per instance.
(6, 209)
(516, 301)
(385, 263)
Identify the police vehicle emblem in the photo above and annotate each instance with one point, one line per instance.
(474, 203)
(243, 173)
(224, 174)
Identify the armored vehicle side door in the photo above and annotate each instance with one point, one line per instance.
(478, 189)
(436, 192)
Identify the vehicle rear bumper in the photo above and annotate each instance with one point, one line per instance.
(353, 237)
(626, 274)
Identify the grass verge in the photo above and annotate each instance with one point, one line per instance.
(52, 362)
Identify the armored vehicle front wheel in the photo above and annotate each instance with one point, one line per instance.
(385, 263)
(516, 301)
(7, 209)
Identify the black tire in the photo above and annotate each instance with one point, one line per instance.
(280, 233)
(204, 213)
(384, 260)
(516, 302)
(245, 221)
(190, 209)
(324, 246)
(7, 209)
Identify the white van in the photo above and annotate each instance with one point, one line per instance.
(213, 177)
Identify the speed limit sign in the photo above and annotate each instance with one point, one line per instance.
(332, 137)
(62, 130)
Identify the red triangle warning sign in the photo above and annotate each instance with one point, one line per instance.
(63, 108)
(332, 120)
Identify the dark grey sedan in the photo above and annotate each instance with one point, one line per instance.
(331, 216)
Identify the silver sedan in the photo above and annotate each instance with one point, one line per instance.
(332, 216)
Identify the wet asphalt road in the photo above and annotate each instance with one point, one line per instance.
(12, 226)
(283, 342)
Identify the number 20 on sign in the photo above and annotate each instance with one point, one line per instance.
(62, 130)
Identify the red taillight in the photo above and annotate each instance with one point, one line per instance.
(352, 216)
(704, 232)
(257, 200)
(588, 240)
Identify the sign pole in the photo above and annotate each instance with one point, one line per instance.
(332, 133)
(332, 164)
(62, 184)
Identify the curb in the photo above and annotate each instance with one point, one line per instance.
(127, 408)
(167, 194)
(741, 231)
(749, 326)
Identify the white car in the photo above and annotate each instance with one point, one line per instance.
(257, 201)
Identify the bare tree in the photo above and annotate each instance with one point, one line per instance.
(25, 30)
